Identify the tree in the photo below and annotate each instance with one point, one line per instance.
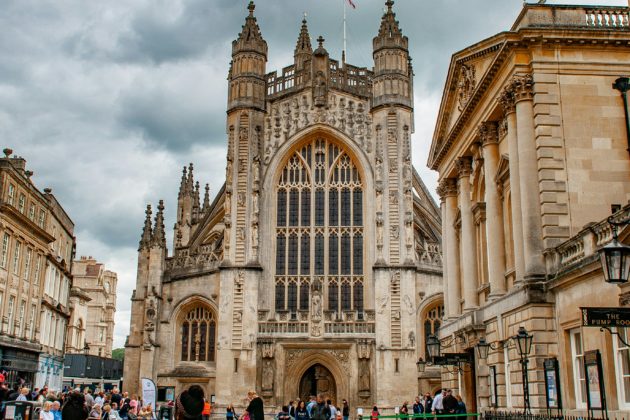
(118, 354)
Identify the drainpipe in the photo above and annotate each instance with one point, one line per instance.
(622, 84)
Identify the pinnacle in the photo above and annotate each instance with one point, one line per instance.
(304, 39)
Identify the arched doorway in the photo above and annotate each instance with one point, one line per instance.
(317, 380)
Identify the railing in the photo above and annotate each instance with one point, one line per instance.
(585, 244)
(349, 328)
(283, 327)
(607, 18)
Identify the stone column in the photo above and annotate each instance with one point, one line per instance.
(468, 248)
(448, 190)
(507, 102)
(522, 87)
(488, 132)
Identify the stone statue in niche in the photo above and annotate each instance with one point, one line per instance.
(395, 232)
(267, 375)
(255, 240)
(240, 199)
(256, 172)
(320, 90)
(364, 375)
(412, 339)
(379, 168)
(226, 237)
(240, 233)
(227, 204)
(379, 231)
(316, 306)
(228, 172)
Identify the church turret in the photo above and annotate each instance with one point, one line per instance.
(185, 205)
(247, 72)
(392, 69)
(303, 48)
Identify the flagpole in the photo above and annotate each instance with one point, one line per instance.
(343, 53)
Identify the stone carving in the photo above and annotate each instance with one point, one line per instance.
(320, 90)
(363, 349)
(228, 173)
(316, 306)
(409, 231)
(465, 85)
(447, 187)
(382, 303)
(238, 316)
(239, 278)
(364, 375)
(255, 208)
(240, 233)
(395, 232)
(267, 375)
(409, 305)
(393, 197)
(488, 132)
(226, 237)
(256, 173)
(240, 198)
(522, 85)
(267, 350)
(624, 299)
(254, 238)
(316, 330)
(412, 339)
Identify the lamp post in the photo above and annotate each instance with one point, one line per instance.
(433, 346)
(524, 342)
(615, 256)
(421, 365)
(622, 84)
(86, 349)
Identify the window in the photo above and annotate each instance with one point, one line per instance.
(622, 367)
(21, 203)
(42, 218)
(11, 194)
(31, 212)
(16, 257)
(6, 240)
(198, 333)
(319, 228)
(27, 263)
(21, 322)
(32, 323)
(10, 314)
(579, 376)
(432, 321)
(38, 263)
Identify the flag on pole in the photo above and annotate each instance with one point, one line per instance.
(351, 3)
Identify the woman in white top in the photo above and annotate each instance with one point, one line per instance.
(46, 414)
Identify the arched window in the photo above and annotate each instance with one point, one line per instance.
(198, 332)
(319, 229)
(432, 321)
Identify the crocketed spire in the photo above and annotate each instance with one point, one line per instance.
(147, 231)
(195, 207)
(304, 40)
(206, 200)
(389, 34)
(190, 182)
(159, 236)
(182, 185)
(250, 38)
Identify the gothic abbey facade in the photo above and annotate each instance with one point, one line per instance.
(317, 267)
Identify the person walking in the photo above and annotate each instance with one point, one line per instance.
(333, 410)
(438, 408)
(427, 402)
(311, 404)
(345, 410)
(207, 409)
(230, 413)
(255, 409)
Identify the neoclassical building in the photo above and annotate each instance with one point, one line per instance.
(318, 264)
(531, 148)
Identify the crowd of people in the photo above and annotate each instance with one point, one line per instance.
(79, 405)
(191, 404)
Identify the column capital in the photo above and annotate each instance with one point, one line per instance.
(506, 99)
(522, 86)
(503, 127)
(447, 188)
(464, 166)
(488, 132)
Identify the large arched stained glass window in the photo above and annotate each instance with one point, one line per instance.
(319, 229)
(198, 332)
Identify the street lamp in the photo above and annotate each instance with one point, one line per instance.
(483, 348)
(86, 348)
(433, 346)
(421, 365)
(615, 256)
(524, 342)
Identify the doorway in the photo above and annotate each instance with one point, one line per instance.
(318, 380)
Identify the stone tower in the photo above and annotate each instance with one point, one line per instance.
(392, 113)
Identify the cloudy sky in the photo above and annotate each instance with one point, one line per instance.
(107, 100)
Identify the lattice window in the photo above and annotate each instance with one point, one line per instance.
(198, 332)
(319, 228)
(432, 321)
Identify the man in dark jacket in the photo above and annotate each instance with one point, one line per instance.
(449, 403)
(255, 409)
(320, 411)
(74, 407)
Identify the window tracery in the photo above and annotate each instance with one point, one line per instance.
(319, 229)
(198, 332)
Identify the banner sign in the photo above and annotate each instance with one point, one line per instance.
(552, 384)
(148, 392)
(605, 317)
(595, 394)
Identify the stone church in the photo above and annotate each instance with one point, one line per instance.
(317, 267)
